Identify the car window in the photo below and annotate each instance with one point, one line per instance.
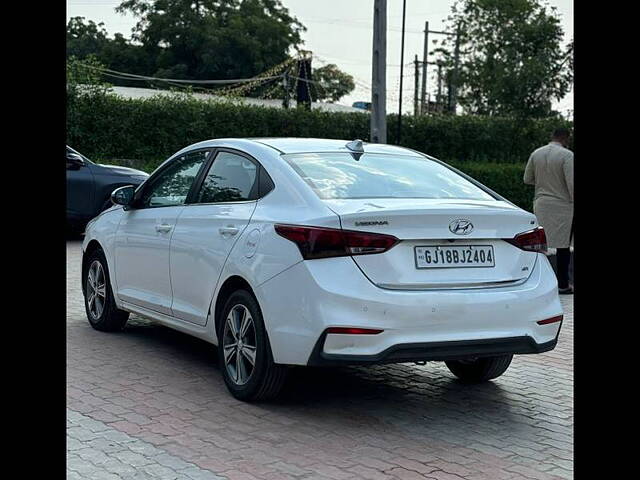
(231, 178)
(339, 175)
(173, 185)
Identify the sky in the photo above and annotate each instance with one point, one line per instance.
(341, 32)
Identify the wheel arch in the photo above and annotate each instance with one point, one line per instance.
(92, 246)
(230, 285)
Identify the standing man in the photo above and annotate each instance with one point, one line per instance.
(550, 170)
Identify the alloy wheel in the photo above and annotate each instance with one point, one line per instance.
(96, 289)
(239, 344)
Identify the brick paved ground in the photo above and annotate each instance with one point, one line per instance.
(150, 403)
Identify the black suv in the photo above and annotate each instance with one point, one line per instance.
(89, 187)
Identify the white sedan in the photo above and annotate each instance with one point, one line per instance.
(291, 251)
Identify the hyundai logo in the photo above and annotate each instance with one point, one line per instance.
(461, 227)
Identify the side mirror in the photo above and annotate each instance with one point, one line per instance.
(123, 195)
(74, 161)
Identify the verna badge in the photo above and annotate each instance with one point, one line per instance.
(461, 227)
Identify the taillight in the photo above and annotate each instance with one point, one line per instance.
(532, 241)
(320, 242)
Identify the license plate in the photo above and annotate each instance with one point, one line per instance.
(459, 256)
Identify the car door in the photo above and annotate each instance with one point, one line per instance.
(144, 233)
(80, 187)
(207, 230)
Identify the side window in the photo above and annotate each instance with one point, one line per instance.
(231, 178)
(172, 186)
(266, 183)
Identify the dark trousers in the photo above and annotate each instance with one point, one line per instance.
(563, 258)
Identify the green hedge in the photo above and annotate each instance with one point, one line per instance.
(468, 138)
(152, 129)
(492, 150)
(503, 178)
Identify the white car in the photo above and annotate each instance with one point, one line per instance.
(291, 251)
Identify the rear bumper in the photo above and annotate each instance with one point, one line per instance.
(300, 303)
(434, 351)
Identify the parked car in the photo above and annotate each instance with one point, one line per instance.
(286, 251)
(362, 105)
(89, 187)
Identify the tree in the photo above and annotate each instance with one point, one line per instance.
(87, 39)
(84, 39)
(333, 83)
(204, 39)
(221, 39)
(83, 76)
(511, 58)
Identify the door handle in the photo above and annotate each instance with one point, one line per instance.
(230, 230)
(163, 228)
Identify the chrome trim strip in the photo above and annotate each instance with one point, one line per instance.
(453, 286)
(231, 202)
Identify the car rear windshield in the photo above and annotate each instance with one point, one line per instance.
(340, 175)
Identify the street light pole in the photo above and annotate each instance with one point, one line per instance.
(439, 97)
(378, 132)
(404, 12)
(425, 59)
(416, 77)
(456, 73)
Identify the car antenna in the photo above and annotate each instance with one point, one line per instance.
(357, 149)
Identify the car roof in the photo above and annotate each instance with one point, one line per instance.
(307, 145)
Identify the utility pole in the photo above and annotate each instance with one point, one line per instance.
(378, 79)
(423, 100)
(415, 86)
(425, 54)
(439, 97)
(454, 81)
(404, 12)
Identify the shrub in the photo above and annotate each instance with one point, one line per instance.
(108, 127)
(152, 129)
(503, 178)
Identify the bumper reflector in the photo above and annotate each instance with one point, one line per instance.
(550, 320)
(354, 331)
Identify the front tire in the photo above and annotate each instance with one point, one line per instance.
(99, 303)
(245, 355)
(481, 369)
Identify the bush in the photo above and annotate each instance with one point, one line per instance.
(492, 150)
(503, 178)
(107, 126)
(471, 138)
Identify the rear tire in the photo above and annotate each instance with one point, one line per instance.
(242, 338)
(481, 369)
(99, 303)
